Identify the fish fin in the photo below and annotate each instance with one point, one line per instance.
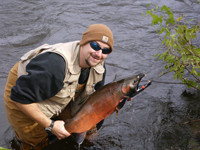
(98, 126)
(121, 104)
(116, 110)
(79, 137)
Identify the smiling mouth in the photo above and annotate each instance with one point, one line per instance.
(95, 57)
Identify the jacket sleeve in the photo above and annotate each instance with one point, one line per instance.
(46, 73)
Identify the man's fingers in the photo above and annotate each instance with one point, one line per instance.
(59, 130)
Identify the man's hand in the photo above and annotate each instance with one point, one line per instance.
(59, 130)
(33, 111)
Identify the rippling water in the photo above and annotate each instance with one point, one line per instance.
(152, 120)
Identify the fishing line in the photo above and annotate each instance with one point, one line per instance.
(163, 82)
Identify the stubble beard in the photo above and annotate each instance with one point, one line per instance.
(89, 64)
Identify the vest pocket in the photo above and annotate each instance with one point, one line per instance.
(68, 90)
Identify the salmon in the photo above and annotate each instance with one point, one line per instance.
(103, 103)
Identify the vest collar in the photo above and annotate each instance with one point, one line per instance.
(74, 67)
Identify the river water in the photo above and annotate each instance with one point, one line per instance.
(154, 119)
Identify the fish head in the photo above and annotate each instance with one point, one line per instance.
(130, 85)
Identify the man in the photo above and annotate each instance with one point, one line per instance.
(52, 78)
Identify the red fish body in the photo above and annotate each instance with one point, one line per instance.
(98, 106)
(102, 104)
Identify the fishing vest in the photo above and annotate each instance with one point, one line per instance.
(69, 51)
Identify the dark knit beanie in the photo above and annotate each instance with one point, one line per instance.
(98, 32)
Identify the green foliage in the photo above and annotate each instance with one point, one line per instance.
(177, 36)
(1, 148)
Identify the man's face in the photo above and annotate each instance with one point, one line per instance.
(89, 57)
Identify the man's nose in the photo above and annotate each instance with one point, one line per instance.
(99, 52)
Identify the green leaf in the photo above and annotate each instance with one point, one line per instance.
(164, 7)
(161, 30)
(156, 19)
(148, 12)
(149, 4)
(1, 148)
(173, 36)
(156, 7)
(179, 18)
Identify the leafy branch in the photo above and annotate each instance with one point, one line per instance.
(178, 39)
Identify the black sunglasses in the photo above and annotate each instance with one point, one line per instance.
(96, 47)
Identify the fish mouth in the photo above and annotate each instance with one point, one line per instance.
(139, 87)
(132, 87)
(139, 78)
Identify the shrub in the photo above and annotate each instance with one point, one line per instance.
(181, 52)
